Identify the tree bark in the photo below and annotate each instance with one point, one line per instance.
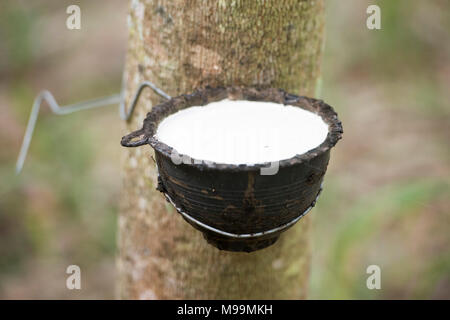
(182, 45)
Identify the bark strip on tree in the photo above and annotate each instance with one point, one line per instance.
(182, 45)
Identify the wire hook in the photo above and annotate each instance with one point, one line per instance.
(90, 104)
(146, 84)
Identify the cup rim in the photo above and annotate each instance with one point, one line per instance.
(208, 95)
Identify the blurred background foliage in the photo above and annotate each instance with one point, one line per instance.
(386, 198)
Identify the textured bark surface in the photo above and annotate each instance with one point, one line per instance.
(183, 45)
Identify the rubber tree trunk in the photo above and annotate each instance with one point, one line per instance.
(182, 45)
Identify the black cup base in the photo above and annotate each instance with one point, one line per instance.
(240, 245)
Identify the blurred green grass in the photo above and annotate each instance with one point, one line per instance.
(63, 208)
(386, 197)
(386, 194)
(362, 226)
